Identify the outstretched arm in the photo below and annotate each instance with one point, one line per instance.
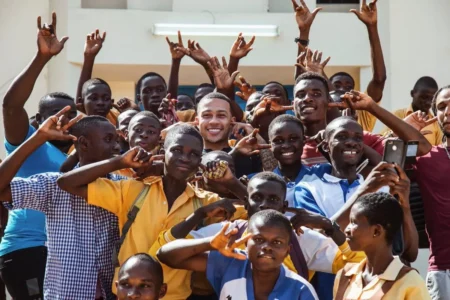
(177, 55)
(54, 128)
(304, 19)
(94, 43)
(15, 118)
(369, 16)
(199, 55)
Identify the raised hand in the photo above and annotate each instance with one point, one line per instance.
(217, 169)
(175, 48)
(308, 219)
(310, 61)
(154, 168)
(269, 105)
(222, 78)
(197, 53)
(125, 104)
(240, 47)
(225, 242)
(167, 110)
(303, 16)
(239, 128)
(246, 89)
(56, 127)
(249, 145)
(382, 175)
(367, 13)
(420, 120)
(354, 100)
(402, 187)
(94, 43)
(48, 43)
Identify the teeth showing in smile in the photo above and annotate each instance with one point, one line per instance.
(350, 152)
(287, 154)
(214, 130)
(308, 109)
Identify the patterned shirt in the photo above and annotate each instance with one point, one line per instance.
(80, 237)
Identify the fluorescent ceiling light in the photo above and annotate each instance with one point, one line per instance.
(215, 29)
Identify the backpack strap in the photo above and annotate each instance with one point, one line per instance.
(387, 285)
(344, 281)
(297, 257)
(131, 216)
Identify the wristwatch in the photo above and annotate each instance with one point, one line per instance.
(334, 227)
(304, 43)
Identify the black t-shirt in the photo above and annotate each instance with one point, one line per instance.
(244, 165)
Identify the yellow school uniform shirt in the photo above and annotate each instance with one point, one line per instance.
(366, 120)
(410, 286)
(435, 138)
(154, 215)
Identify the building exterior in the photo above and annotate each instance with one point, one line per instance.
(414, 36)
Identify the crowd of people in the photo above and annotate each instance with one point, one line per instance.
(180, 196)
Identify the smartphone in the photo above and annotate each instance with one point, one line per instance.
(395, 152)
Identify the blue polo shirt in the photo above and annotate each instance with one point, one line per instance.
(232, 279)
(26, 227)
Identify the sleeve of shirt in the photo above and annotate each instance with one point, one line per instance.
(416, 287)
(366, 120)
(34, 192)
(207, 231)
(319, 251)
(216, 268)
(346, 255)
(303, 198)
(375, 141)
(108, 194)
(10, 147)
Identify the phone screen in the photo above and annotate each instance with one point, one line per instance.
(412, 150)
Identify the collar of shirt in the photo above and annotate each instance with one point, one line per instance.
(410, 110)
(390, 274)
(303, 171)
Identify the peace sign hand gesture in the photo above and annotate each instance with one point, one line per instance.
(175, 48)
(48, 43)
(226, 243)
(56, 127)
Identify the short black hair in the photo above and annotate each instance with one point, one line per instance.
(146, 75)
(425, 82)
(214, 95)
(134, 112)
(311, 76)
(46, 99)
(272, 218)
(83, 126)
(343, 74)
(269, 176)
(153, 264)
(433, 102)
(330, 126)
(207, 157)
(144, 113)
(280, 84)
(182, 129)
(203, 85)
(189, 96)
(285, 119)
(90, 82)
(382, 209)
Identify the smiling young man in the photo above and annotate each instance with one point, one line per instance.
(214, 119)
(311, 103)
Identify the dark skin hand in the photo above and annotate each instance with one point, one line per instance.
(304, 19)
(199, 55)
(177, 55)
(225, 83)
(369, 16)
(93, 45)
(15, 117)
(54, 128)
(245, 89)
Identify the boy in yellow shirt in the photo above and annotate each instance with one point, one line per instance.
(167, 200)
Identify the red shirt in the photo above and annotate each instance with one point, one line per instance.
(312, 156)
(432, 174)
